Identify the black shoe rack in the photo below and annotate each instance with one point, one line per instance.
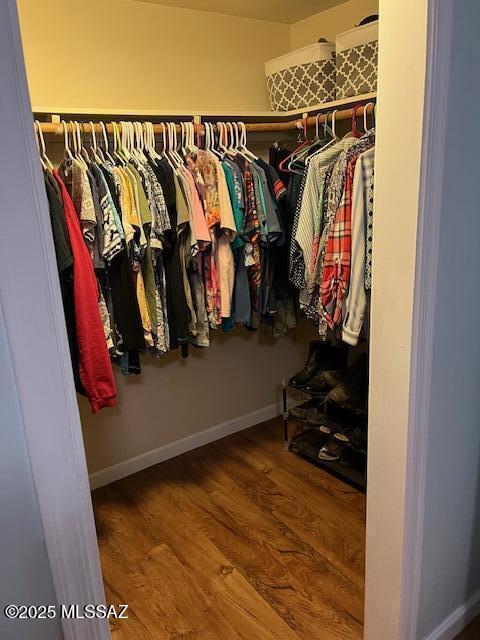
(307, 441)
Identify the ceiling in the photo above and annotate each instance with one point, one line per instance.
(288, 11)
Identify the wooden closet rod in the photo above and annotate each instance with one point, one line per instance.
(290, 125)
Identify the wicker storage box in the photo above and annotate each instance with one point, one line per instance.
(357, 60)
(302, 78)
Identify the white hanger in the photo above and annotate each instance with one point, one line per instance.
(65, 137)
(165, 150)
(44, 159)
(94, 148)
(36, 128)
(177, 157)
(105, 141)
(82, 151)
(243, 143)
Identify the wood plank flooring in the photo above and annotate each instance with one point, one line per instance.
(236, 540)
(472, 632)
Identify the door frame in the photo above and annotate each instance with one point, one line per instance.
(53, 431)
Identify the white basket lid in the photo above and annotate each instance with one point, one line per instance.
(311, 53)
(355, 37)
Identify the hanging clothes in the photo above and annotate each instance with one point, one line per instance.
(95, 369)
(330, 247)
(154, 252)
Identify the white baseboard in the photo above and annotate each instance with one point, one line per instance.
(173, 449)
(458, 620)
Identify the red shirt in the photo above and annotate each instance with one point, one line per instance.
(95, 367)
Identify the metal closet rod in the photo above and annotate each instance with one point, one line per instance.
(290, 125)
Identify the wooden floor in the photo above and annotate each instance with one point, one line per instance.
(237, 540)
(472, 632)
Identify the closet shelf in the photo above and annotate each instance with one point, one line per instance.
(254, 120)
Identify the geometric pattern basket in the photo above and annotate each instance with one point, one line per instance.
(357, 70)
(302, 85)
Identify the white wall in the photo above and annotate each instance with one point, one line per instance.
(397, 180)
(25, 576)
(451, 557)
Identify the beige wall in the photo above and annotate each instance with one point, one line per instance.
(327, 24)
(239, 373)
(120, 54)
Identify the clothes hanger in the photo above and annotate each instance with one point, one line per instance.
(44, 159)
(191, 147)
(117, 150)
(94, 148)
(65, 137)
(213, 142)
(365, 113)
(326, 129)
(177, 157)
(83, 152)
(36, 128)
(105, 141)
(222, 137)
(165, 155)
(247, 154)
(355, 132)
(231, 132)
(77, 143)
(317, 144)
(283, 166)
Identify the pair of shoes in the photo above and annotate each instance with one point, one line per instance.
(325, 381)
(322, 356)
(317, 349)
(352, 392)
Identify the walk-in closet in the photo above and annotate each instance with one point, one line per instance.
(212, 210)
(209, 187)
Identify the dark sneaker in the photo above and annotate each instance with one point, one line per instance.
(317, 352)
(300, 412)
(352, 392)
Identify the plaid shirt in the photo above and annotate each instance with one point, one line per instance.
(336, 263)
(335, 191)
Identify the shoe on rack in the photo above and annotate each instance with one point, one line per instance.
(352, 392)
(300, 412)
(325, 381)
(354, 437)
(329, 374)
(331, 451)
(316, 354)
(316, 417)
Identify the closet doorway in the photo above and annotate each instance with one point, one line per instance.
(240, 534)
